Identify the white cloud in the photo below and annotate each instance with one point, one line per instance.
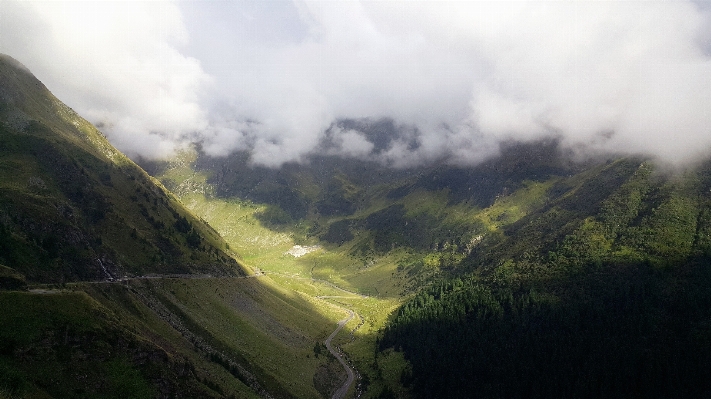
(116, 63)
(461, 76)
(349, 143)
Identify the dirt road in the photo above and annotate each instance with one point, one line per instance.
(343, 390)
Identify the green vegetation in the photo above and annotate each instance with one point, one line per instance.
(525, 276)
(604, 298)
(65, 344)
(74, 208)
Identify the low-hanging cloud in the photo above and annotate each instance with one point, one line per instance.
(455, 78)
(118, 64)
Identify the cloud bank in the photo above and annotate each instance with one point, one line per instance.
(118, 64)
(287, 79)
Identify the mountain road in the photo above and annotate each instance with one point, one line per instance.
(343, 390)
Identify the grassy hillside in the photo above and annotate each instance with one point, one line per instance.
(112, 288)
(74, 208)
(66, 344)
(160, 338)
(254, 332)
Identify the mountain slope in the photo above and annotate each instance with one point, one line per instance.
(72, 207)
(111, 288)
(604, 291)
(66, 344)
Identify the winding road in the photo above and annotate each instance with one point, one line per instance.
(343, 390)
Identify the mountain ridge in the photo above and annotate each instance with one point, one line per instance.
(71, 201)
(111, 288)
(527, 275)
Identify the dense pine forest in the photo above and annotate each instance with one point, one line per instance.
(602, 293)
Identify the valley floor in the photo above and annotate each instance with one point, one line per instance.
(333, 282)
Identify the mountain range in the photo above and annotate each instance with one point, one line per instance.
(533, 274)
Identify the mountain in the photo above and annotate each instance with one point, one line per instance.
(530, 275)
(75, 212)
(73, 208)
(603, 291)
(111, 288)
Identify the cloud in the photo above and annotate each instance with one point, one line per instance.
(118, 64)
(454, 78)
(590, 70)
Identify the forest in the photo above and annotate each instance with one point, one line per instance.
(613, 303)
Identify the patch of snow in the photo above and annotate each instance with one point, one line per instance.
(298, 251)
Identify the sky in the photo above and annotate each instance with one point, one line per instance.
(278, 78)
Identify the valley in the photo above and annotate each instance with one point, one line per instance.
(325, 276)
(353, 274)
(573, 249)
(103, 267)
(530, 274)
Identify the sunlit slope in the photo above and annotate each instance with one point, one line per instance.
(382, 231)
(72, 207)
(274, 330)
(250, 328)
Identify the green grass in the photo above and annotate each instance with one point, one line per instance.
(66, 344)
(511, 208)
(25, 315)
(136, 316)
(271, 328)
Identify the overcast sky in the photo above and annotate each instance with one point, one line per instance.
(457, 77)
